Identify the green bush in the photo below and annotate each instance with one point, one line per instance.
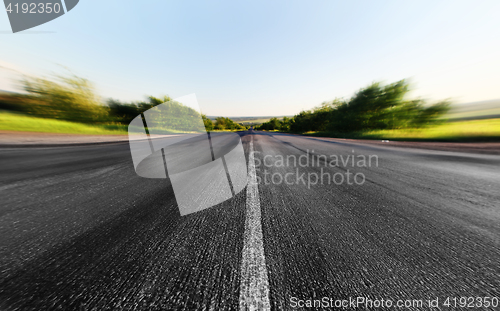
(376, 107)
(222, 124)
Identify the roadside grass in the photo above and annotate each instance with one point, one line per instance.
(10, 121)
(477, 130)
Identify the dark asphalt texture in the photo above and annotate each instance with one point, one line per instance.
(79, 230)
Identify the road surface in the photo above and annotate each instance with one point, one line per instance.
(79, 230)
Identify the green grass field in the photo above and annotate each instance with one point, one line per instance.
(477, 130)
(22, 123)
(17, 122)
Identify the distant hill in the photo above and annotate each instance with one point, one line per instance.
(487, 109)
(250, 120)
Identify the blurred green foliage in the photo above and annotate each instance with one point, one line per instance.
(72, 98)
(222, 124)
(20, 122)
(67, 98)
(376, 107)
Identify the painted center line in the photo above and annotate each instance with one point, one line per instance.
(254, 286)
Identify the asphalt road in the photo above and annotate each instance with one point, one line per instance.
(79, 230)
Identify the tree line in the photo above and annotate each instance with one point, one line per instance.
(72, 98)
(375, 107)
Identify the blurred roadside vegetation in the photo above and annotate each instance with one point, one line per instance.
(70, 104)
(376, 107)
(384, 112)
(13, 121)
(223, 124)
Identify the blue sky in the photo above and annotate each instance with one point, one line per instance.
(256, 58)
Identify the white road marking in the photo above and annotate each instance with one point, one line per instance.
(254, 285)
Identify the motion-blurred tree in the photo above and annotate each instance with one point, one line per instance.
(374, 107)
(122, 113)
(68, 98)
